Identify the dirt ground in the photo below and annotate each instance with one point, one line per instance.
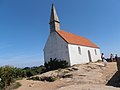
(93, 76)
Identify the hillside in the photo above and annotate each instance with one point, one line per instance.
(91, 76)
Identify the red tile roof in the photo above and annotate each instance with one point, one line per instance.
(77, 40)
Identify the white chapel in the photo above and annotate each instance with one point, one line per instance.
(67, 46)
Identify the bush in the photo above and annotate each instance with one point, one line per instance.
(7, 75)
(33, 70)
(55, 64)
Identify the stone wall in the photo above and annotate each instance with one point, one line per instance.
(56, 47)
(83, 56)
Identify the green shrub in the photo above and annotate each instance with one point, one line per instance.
(7, 75)
(33, 70)
(55, 64)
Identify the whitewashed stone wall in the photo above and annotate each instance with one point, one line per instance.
(76, 58)
(56, 47)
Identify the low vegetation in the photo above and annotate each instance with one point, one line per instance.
(31, 71)
(54, 64)
(9, 74)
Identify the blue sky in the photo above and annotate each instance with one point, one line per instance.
(24, 27)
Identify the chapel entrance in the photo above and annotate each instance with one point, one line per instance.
(89, 56)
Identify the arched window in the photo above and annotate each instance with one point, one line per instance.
(79, 50)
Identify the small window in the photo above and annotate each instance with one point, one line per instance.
(95, 52)
(79, 50)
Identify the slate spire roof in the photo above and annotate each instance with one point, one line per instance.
(54, 20)
(54, 16)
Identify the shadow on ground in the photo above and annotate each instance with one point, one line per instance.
(115, 80)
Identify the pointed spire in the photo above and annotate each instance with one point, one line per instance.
(53, 16)
(54, 20)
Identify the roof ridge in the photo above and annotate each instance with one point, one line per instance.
(76, 39)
